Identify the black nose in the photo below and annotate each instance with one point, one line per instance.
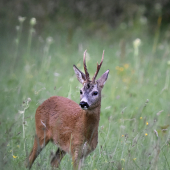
(84, 105)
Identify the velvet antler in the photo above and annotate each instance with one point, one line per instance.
(85, 67)
(98, 68)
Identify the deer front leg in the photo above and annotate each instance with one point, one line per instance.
(76, 157)
(55, 162)
(91, 145)
(80, 163)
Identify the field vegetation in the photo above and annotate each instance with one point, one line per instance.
(135, 113)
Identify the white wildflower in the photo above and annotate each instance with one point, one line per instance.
(33, 21)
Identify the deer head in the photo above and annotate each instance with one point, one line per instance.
(90, 94)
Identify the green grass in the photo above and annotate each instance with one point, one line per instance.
(133, 97)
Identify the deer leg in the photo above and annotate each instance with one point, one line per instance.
(39, 144)
(55, 162)
(76, 160)
(80, 163)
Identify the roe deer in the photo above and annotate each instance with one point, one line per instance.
(72, 127)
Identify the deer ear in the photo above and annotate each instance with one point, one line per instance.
(101, 81)
(80, 75)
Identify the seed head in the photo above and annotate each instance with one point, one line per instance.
(168, 63)
(21, 19)
(49, 40)
(17, 28)
(33, 21)
(29, 99)
(136, 43)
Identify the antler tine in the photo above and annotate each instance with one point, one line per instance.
(85, 68)
(98, 68)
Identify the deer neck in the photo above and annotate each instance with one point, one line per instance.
(93, 112)
(91, 122)
(92, 116)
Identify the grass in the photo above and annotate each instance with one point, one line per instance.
(135, 114)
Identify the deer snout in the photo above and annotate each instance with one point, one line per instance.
(84, 105)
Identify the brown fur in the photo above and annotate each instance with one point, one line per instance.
(69, 128)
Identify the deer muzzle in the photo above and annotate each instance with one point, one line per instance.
(84, 105)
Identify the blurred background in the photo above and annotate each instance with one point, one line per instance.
(105, 19)
(39, 43)
(76, 13)
(91, 16)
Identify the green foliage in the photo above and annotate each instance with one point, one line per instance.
(135, 114)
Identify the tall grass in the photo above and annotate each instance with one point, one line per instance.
(135, 114)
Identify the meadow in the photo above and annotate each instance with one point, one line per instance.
(135, 112)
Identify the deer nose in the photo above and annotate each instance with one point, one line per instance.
(84, 105)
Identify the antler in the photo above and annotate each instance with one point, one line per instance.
(85, 68)
(98, 68)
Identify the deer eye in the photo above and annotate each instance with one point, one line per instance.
(81, 92)
(95, 93)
